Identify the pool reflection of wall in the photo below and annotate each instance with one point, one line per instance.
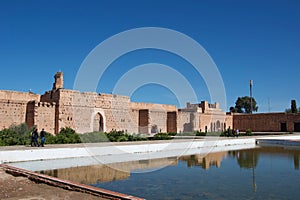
(249, 158)
(109, 172)
(296, 160)
(205, 161)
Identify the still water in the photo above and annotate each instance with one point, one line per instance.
(259, 173)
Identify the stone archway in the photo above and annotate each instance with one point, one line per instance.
(98, 125)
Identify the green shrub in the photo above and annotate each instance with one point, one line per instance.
(15, 135)
(50, 139)
(161, 136)
(114, 136)
(172, 134)
(10, 138)
(21, 135)
(122, 138)
(198, 133)
(223, 133)
(137, 137)
(67, 136)
(248, 132)
(1, 142)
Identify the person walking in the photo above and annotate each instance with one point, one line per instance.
(43, 137)
(237, 132)
(35, 136)
(31, 138)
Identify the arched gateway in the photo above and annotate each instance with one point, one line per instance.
(98, 125)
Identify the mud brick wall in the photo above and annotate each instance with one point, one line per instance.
(30, 113)
(13, 107)
(214, 122)
(152, 106)
(185, 121)
(134, 123)
(12, 112)
(265, 122)
(50, 96)
(89, 111)
(18, 96)
(189, 121)
(44, 116)
(229, 121)
(172, 122)
(75, 110)
(143, 118)
(78, 110)
(157, 121)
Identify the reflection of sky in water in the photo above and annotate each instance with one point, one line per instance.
(276, 176)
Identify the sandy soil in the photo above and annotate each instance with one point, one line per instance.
(13, 188)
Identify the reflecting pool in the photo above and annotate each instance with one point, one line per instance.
(258, 173)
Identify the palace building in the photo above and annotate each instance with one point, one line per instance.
(89, 112)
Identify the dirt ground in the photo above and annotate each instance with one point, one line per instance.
(13, 188)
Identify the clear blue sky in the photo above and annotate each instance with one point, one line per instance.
(256, 40)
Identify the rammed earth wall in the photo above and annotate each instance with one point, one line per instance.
(267, 122)
(89, 111)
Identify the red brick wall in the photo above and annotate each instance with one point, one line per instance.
(265, 122)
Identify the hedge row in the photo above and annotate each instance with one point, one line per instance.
(21, 135)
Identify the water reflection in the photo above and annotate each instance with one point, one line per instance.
(204, 161)
(296, 160)
(249, 158)
(246, 159)
(109, 172)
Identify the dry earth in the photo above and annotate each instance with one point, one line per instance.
(13, 188)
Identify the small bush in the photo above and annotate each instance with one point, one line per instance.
(161, 136)
(15, 135)
(173, 134)
(114, 136)
(67, 136)
(223, 133)
(198, 133)
(1, 142)
(122, 138)
(50, 139)
(248, 132)
(137, 137)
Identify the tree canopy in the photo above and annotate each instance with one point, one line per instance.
(243, 105)
(293, 108)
